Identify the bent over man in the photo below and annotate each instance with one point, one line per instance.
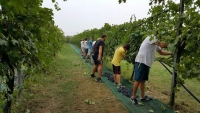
(143, 62)
(118, 56)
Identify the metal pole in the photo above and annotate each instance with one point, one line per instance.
(176, 56)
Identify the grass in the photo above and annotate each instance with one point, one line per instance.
(160, 86)
(64, 89)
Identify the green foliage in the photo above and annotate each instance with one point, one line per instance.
(166, 24)
(28, 38)
(88, 101)
(150, 2)
(120, 1)
(165, 21)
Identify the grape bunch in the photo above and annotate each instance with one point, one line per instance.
(109, 76)
(125, 91)
(106, 74)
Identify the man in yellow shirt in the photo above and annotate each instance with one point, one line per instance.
(118, 56)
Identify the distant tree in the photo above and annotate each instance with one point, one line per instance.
(150, 1)
(68, 39)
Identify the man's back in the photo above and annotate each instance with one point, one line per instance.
(95, 48)
(90, 44)
(118, 55)
(86, 44)
(147, 51)
(82, 43)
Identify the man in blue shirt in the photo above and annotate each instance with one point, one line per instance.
(89, 48)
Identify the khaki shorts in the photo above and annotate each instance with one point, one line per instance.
(89, 52)
(83, 49)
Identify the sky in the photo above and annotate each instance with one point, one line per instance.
(76, 16)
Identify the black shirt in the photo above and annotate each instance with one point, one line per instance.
(95, 48)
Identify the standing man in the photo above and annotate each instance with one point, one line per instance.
(143, 62)
(92, 61)
(97, 55)
(118, 56)
(86, 48)
(89, 48)
(94, 42)
(82, 48)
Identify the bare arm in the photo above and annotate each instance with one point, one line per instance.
(164, 52)
(124, 54)
(100, 53)
(161, 44)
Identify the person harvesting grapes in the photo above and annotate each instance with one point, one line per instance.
(143, 62)
(118, 56)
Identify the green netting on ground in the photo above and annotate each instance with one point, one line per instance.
(155, 105)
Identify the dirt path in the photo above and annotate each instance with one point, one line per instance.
(65, 88)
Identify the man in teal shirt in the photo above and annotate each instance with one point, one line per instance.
(89, 48)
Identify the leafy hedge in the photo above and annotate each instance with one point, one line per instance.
(28, 38)
(180, 30)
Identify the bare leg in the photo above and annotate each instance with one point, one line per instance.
(118, 79)
(114, 76)
(135, 87)
(100, 66)
(142, 89)
(86, 57)
(94, 69)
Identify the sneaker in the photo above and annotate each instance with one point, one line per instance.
(99, 80)
(134, 101)
(115, 84)
(146, 98)
(92, 75)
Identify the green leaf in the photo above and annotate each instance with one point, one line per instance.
(3, 87)
(86, 100)
(93, 103)
(85, 73)
(27, 111)
(171, 47)
(140, 103)
(14, 42)
(89, 102)
(163, 107)
(151, 111)
(3, 42)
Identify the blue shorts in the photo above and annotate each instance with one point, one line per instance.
(141, 72)
(96, 62)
